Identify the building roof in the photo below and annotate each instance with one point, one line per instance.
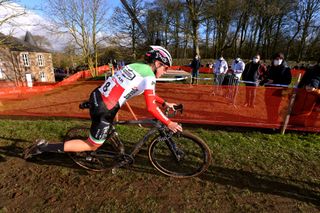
(16, 44)
(29, 39)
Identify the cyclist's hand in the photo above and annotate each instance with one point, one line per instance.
(174, 127)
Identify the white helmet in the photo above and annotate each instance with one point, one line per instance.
(159, 53)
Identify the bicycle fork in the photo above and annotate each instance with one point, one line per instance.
(175, 151)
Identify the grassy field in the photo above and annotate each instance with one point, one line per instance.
(251, 171)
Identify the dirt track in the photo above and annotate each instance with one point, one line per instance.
(53, 183)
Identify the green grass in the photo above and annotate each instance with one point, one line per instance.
(256, 149)
(292, 154)
(249, 169)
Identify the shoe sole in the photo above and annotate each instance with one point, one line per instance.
(27, 154)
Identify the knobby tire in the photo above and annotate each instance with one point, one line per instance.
(194, 154)
(92, 160)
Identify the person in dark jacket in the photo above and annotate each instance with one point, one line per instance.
(308, 97)
(254, 72)
(279, 75)
(195, 65)
(313, 85)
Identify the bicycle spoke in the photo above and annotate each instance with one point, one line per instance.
(180, 156)
(102, 159)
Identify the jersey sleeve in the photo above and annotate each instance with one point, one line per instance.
(152, 107)
(159, 99)
(149, 84)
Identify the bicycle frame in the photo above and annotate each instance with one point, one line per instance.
(157, 127)
(166, 150)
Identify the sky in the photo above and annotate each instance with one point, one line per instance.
(31, 4)
(39, 4)
(33, 20)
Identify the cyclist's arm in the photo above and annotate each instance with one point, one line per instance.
(150, 98)
(157, 113)
(164, 103)
(160, 100)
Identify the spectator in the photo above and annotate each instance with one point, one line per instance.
(115, 64)
(279, 72)
(279, 75)
(229, 77)
(238, 67)
(195, 65)
(313, 84)
(220, 68)
(254, 72)
(307, 100)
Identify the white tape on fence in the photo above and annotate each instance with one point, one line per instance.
(172, 79)
(277, 85)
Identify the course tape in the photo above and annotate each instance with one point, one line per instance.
(173, 79)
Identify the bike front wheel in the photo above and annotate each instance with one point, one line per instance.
(100, 160)
(182, 155)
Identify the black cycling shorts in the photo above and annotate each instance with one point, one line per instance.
(101, 118)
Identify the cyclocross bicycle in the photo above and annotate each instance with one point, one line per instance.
(177, 155)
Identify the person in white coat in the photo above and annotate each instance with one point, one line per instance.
(220, 68)
(238, 67)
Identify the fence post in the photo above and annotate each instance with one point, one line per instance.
(290, 106)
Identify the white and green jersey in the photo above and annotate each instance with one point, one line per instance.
(130, 81)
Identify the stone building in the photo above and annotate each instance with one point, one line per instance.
(20, 57)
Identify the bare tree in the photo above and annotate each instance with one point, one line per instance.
(195, 8)
(311, 8)
(223, 22)
(83, 20)
(12, 12)
(165, 21)
(125, 28)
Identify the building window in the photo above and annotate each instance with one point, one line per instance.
(42, 76)
(25, 59)
(40, 60)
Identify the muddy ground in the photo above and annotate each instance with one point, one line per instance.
(53, 183)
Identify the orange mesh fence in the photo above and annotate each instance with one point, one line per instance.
(295, 72)
(264, 107)
(23, 92)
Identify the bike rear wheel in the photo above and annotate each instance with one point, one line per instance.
(183, 155)
(102, 159)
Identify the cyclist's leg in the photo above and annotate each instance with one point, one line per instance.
(101, 121)
(42, 146)
(75, 145)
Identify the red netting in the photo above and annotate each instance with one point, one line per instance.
(219, 105)
(294, 72)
